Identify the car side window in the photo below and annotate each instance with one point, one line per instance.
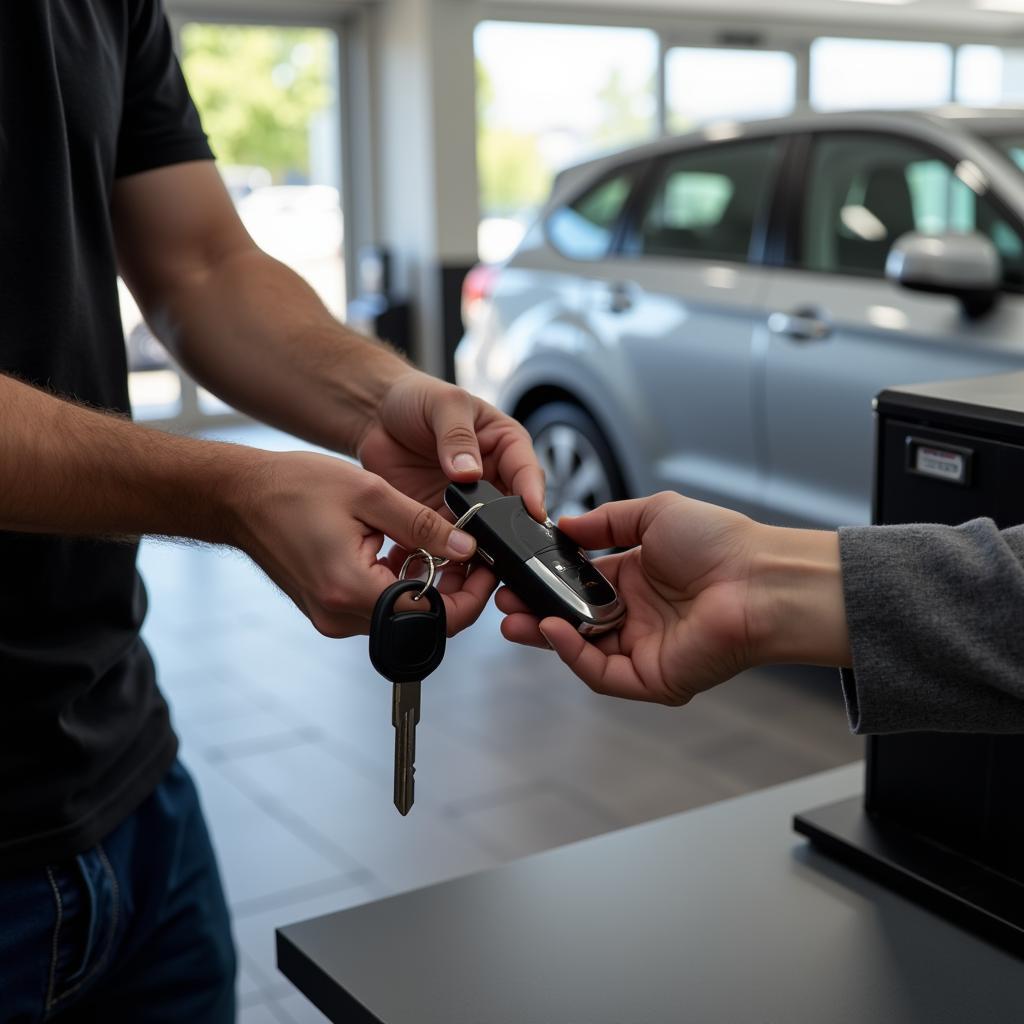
(867, 190)
(584, 229)
(706, 202)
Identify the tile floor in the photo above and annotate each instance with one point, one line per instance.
(289, 736)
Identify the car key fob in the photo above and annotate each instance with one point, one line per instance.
(536, 561)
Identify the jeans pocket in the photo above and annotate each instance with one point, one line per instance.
(85, 892)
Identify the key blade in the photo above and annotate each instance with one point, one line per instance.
(405, 715)
(405, 769)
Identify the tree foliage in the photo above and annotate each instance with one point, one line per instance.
(513, 172)
(257, 89)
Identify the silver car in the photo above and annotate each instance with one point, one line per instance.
(714, 313)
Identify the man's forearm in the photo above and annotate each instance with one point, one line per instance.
(254, 333)
(70, 470)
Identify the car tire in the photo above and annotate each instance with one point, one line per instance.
(582, 473)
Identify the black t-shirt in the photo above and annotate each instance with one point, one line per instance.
(90, 91)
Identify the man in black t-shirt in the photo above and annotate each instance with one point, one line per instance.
(110, 904)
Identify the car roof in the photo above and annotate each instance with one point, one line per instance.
(951, 119)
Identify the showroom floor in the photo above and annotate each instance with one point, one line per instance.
(289, 736)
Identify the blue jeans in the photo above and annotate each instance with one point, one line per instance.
(134, 930)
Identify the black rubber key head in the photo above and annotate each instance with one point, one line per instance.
(406, 646)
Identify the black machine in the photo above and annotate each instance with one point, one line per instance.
(538, 562)
(376, 309)
(942, 819)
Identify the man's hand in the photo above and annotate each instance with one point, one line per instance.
(316, 525)
(427, 432)
(708, 592)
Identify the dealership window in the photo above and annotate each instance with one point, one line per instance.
(706, 84)
(850, 74)
(989, 76)
(866, 191)
(549, 96)
(268, 97)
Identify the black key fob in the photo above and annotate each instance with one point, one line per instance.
(406, 646)
(536, 561)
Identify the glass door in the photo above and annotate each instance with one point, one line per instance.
(269, 99)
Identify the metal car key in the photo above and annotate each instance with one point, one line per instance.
(536, 561)
(405, 647)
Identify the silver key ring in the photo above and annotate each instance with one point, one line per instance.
(433, 564)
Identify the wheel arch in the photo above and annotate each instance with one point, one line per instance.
(540, 395)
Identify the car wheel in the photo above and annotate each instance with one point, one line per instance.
(578, 463)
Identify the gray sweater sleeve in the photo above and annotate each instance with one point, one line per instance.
(935, 619)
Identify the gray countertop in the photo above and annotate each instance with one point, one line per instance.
(721, 915)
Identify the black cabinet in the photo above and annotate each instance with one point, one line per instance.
(943, 814)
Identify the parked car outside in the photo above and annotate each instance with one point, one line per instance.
(714, 313)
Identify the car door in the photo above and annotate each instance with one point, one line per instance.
(676, 307)
(839, 332)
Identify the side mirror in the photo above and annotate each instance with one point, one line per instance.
(966, 266)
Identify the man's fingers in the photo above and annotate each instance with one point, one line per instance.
(517, 466)
(453, 420)
(526, 478)
(413, 525)
(619, 524)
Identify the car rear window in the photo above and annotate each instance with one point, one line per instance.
(585, 228)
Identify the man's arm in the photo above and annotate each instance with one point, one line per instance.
(244, 325)
(70, 470)
(314, 523)
(256, 334)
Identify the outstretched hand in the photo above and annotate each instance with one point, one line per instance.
(708, 593)
(685, 590)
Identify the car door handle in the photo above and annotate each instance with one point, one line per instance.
(620, 297)
(801, 325)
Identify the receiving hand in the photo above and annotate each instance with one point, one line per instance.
(708, 593)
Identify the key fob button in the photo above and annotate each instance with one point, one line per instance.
(580, 574)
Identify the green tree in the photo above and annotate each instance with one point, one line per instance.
(256, 89)
(510, 168)
(627, 114)
(513, 175)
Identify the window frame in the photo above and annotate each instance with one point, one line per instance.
(792, 230)
(342, 24)
(631, 246)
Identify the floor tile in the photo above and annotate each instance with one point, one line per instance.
(217, 737)
(254, 933)
(260, 1013)
(250, 981)
(258, 855)
(299, 1010)
(357, 814)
